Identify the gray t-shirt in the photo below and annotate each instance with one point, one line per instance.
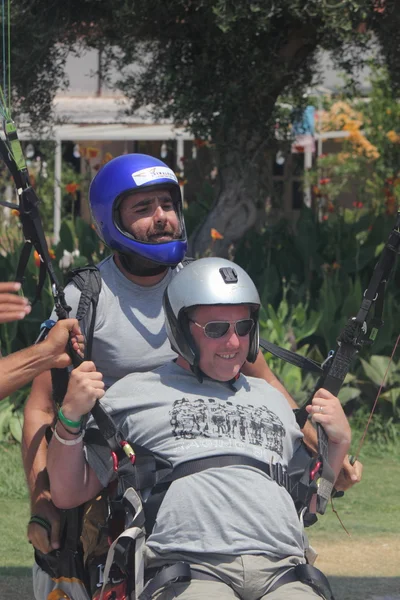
(231, 510)
(129, 333)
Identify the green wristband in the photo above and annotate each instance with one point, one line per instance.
(68, 422)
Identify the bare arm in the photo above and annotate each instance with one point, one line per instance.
(72, 480)
(328, 412)
(39, 414)
(20, 368)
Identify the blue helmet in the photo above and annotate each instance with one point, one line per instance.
(125, 175)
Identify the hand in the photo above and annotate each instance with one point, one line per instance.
(12, 307)
(57, 339)
(84, 388)
(38, 535)
(349, 475)
(328, 412)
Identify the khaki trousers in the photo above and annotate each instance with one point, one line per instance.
(247, 577)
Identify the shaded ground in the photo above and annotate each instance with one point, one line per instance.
(358, 569)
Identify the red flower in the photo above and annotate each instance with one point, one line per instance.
(71, 188)
(324, 181)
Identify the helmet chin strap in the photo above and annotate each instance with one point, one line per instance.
(143, 267)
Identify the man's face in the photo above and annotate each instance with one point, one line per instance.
(150, 216)
(220, 358)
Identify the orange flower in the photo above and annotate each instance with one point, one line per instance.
(15, 212)
(93, 152)
(52, 254)
(71, 188)
(36, 258)
(216, 235)
(107, 157)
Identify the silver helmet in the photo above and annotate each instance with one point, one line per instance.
(207, 282)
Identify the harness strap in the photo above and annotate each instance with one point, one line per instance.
(134, 533)
(314, 578)
(182, 572)
(179, 571)
(291, 357)
(275, 471)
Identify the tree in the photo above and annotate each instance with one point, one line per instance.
(217, 66)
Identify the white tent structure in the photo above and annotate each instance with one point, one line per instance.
(94, 119)
(103, 132)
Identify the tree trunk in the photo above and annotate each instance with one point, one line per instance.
(234, 211)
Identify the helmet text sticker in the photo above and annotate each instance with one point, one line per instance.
(152, 174)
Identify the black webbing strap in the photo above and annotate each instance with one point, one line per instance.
(179, 571)
(291, 357)
(276, 472)
(184, 572)
(314, 578)
(88, 281)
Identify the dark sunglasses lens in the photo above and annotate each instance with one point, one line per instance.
(216, 329)
(244, 327)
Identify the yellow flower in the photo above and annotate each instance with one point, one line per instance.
(393, 137)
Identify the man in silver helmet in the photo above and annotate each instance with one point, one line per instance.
(137, 209)
(236, 528)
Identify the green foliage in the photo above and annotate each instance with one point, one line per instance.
(289, 328)
(375, 370)
(11, 417)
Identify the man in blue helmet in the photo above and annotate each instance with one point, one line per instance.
(226, 515)
(136, 206)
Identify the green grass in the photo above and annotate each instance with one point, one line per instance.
(12, 480)
(15, 550)
(371, 507)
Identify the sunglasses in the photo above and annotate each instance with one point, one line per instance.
(217, 329)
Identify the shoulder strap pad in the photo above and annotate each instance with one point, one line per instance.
(88, 280)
